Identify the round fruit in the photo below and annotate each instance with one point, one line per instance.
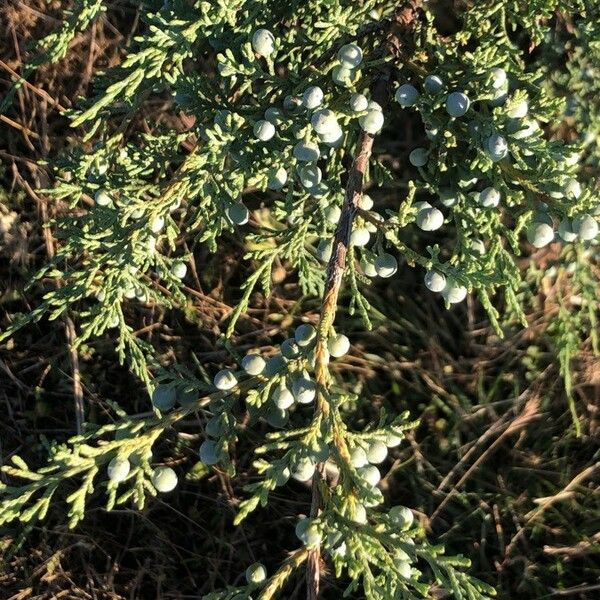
(164, 397)
(225, 380)
(448, 197)
(343, 76)
(478, 246)
(519, 110)
(571, 188)
(209, 453)
(274, 365)
(360, 237)
(525, 128)
(368, 267)
(418, 157)
(312, 97)
(350, 55)
(187, 395)
(157, 224)
(277, 417)
(392, 440)
(310, 176)
(365, 202)
(179, 270)
(358, 457)
(338, 345)
(435, 281)
(430, 219)
(376, 452)
(282, 397)
(324, 250)
(406, 95)
(358, 102)
(489, 197)
(216, 426)
(304, 390)
(386, 265)
(540, 234)
(277, 178)
(274, 115)
(333, 137)
(566, 232)
(360, 514)
(401, 516)
(498, 78)
(307, 531)
(292, 103)
(118, 469)
(431, 133)
(324, 121)
(497, 147)
(370, 474)
(305, 334)
(372, 122)
(454, 293)
(264, 130)
(164, 479)
(374, 106)
(253, 364)
(457, 104)
(256, 573)
(433, 84)
(586, 227)
(304, 469)
(403, 568)
(333, 213)
(263, 42)
(289, 348)
(500, 96)
(306, 152)
(238, 214)
(102, 198)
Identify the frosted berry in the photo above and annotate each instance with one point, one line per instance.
(358, 457)
(489, 197)
(310, 176)
(164, 397)
(333, 213)
(289, 348)
(372, 122)
(304, 469)
(209, 453)
(225, 380)
(360, 237)
(370, 474)
(342, 75)
(478, 246)
(312, 97)
(566, 232)
(524, 128)
(264, 130)
(164, 479)
(305, 334)
(338, 345)
(498, 78)
(324, 121)
(418, 157)
(350, 55)
(253, 364)
(454, 293)
(376, 452)
(497, 147)
(304, 390)
(277, 178)
(386, 265)
(392, 440)
(256, 573)
(540, 234)
(274, 115)
(433, 84)
(179, 270)
(282, 397)
(586, 227)
(430, 219)
(368, 267)
(448, 197)
(118, 469)
(571, 188)
(307, 531)
(277, 417)
(275, 365)
(403, 568)
(292, 103)
(435, 281)
(157, 224)
(457, 104)
(263, 42)
(519, 110)
(324, 250)
(359, 514)
(407, 95)
(365, 202)
(102, 198)
(358, 102)
(401, 516)
(431, 133)
(332, 138)
(306, 152)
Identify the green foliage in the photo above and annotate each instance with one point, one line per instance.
(135, 196)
